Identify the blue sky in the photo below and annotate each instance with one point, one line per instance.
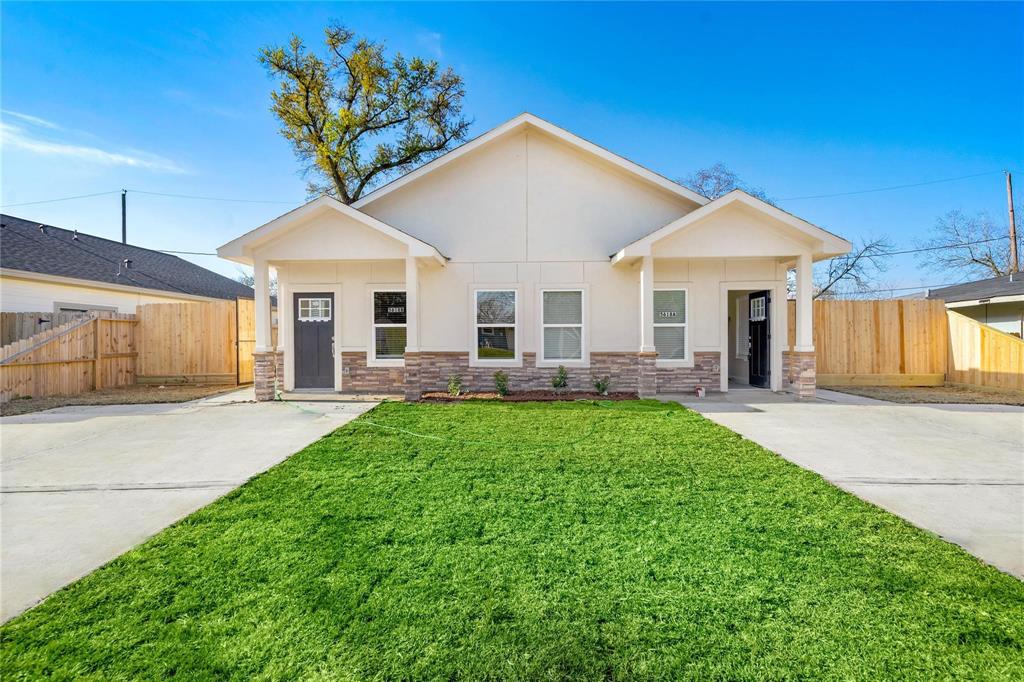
(800, 99)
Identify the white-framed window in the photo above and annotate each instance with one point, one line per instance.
(496, 318)
(757, 309)
(670, 330)
(742, 329)
(315, 309)
(562, 325)
(389, 324)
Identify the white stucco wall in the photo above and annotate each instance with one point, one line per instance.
(528, 197)
(28, 296)
(611, 296)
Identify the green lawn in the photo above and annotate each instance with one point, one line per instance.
(532, 541)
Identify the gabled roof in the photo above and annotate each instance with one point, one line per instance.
(832, 245)
(33, 247)
(995, 287)
(527, 120)
(240, 249)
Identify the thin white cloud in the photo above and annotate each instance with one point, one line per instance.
(197, 104)
(16, 137)
(32, 120)
(431, 42)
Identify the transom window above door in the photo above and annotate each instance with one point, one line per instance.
(314, 310)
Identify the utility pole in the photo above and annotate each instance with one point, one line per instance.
(1014, 265)
(124, 216)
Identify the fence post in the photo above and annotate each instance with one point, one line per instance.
(96, 383)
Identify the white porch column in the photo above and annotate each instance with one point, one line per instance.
(261, 270)
(647, 304)
(412, 306)
(804, 304)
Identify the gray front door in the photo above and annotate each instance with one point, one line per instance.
(314, 340)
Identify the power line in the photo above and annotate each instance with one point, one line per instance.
(50, 201)
(944, 246)
(886, 189)
(202, 198)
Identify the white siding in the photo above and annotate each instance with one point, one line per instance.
(29, 296)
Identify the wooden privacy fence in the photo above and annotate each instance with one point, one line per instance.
(210, 342)
(18, 326)
(97, 351)
(878, 343)
(185, 343)
(982, 356)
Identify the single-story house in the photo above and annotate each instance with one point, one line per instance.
(997, 302)
(525, 249)
(49, 269)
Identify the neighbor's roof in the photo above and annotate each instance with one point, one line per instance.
(996, 287)
(29, 246)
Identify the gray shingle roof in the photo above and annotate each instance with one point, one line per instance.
(29, 246)
(1007, 285)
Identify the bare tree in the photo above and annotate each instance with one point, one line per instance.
(967, 246)
(249, 279)
(356, 117)
(855, 273)
(716, 181)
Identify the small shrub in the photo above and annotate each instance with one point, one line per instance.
(601, 384)
(454, 384)
(501, 382)
(561, 378)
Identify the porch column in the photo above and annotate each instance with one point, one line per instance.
(412, 306)
(804, 305)
(800, 364)
(413, 391)
(265, 356)
(647, 371)
(647, 305)
(261, 272)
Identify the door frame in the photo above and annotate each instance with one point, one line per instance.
(777, 328)
(769, 308)
(286, 342)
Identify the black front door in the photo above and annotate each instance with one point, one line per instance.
(314, 340)
(760, 337)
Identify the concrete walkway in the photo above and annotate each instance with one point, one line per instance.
(82, 485)
(957, 470)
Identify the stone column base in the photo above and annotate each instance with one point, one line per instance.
(412, 389)
(646, 374)
(800, 373)
(268, 370)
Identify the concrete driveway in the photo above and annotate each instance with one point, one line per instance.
(82, 485)
(957, 470)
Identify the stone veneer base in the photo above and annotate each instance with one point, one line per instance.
(800, 373)
(268, 374)
(429, 371)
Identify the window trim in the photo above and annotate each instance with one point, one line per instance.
(474, 360)
(687, 360)
(584, 359)
(371, 353)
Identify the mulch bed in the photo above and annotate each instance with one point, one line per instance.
(529, 396)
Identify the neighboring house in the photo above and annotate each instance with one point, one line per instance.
(525, 249)
(997, 302)
(49, 269)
